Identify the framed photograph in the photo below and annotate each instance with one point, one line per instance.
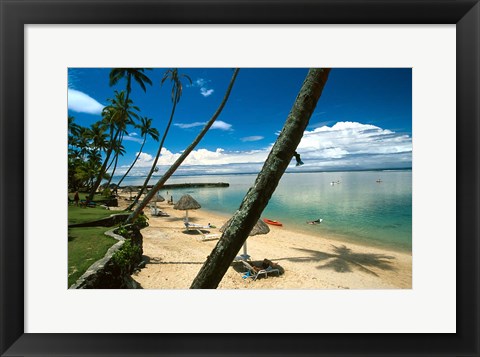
(420, 58)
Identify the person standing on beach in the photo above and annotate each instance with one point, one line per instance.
(76, 198)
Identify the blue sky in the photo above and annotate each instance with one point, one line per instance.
(363, 119)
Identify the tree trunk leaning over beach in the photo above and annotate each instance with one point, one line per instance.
(184, 155)
(259, 194)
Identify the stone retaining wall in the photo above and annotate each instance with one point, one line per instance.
(105, 274)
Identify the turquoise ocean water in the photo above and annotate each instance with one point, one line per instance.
(357, 209)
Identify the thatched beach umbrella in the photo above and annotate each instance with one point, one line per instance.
(129, 189)
(185, 203)
(259, 228)
(157, 198)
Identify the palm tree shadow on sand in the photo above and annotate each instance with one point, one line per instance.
(344, 260)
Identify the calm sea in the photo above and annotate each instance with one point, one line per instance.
(356, 209)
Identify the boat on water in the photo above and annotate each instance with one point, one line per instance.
(317, 221)
(272, 222)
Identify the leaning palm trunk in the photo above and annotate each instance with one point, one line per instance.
(257, 197)
(152, 170)
(113, 171)
(111, 162)
(184, 155)
(133, 164)
(115, 160)
(103, 168)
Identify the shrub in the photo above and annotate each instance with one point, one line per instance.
(127, 256)
(123, 231)
(141, 221)
(106, 192)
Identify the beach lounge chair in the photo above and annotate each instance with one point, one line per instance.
(195, 227)
(254, 272)
(204, 237)
(158, 213)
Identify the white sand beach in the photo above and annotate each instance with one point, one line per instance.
(174, 257)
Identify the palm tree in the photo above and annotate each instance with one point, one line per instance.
(79, 147)
(83, 142)
(86, 171)
(184, 155)
(98, 137)
(267, 180)
(137, 74)
(124, 117)
(73, 130)
(177, 88)
(119, 150)
(116, 117)
(115, 144)
(146, 130)
(95, 157)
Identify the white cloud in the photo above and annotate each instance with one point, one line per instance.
(251, 138)
(72, 79)
(190, 125)
(222, 157)
(133, 137)
(350, 138)
(83, 103)
(206, 92)
(221, 125)
(199, 82)
(204, 157)
(344, 146)
(202, 84)
(144, 159)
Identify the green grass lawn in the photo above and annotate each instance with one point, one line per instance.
(78, 214)
(84, 195)
(98, 198)
(89, 244)
(85, 247)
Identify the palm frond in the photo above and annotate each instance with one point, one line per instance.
(154, 134)
(115, 75)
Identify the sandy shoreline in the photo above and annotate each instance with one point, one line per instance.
(175, 257)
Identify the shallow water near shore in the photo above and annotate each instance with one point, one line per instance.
(355, 208)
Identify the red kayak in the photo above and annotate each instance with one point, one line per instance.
(273, 223)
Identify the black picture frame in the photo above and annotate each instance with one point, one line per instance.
(15, 14)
